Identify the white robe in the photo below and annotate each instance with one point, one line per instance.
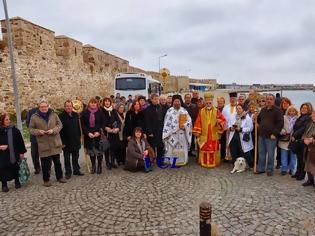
(177, 141)
(226, 112)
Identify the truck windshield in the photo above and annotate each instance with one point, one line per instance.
(132, 83)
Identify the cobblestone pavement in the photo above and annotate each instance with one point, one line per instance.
(162, 202)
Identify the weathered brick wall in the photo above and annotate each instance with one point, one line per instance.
(56, 68)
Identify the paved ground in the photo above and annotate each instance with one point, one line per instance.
(162, 202)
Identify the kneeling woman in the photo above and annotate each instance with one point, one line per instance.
(137, 149)
(240, 138)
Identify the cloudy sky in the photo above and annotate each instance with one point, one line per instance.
(242, 41)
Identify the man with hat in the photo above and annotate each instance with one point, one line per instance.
(177, 132)
(209, 125)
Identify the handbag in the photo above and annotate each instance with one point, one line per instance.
(246, 137)
(104, 143)
(284, 138)
(24, 171)
(294, 146)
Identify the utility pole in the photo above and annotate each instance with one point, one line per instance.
(15, 88)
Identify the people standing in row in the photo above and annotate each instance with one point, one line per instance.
(153, 122)
(71, 139)
(92, 121)
(112, 126)
(309, 141)
(210, 123)
(270, 120)
(288, 158)
(46, 125)
(193, 112)
(121, 147)
(239, 136)
(296, 144)
(134, 118)
(220, 106)
(34, 145)
(177, 131)
(12, 149)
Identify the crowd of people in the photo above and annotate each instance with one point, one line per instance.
(164, 129)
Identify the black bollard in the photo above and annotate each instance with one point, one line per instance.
(205, 219)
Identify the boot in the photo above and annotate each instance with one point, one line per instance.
(5, 188)
(113, 161)
(17, 183)
(93, 170)
(108, 165)
(99, 164)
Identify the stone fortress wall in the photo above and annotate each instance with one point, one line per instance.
(58, 68)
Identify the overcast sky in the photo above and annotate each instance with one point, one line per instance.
(242, 41)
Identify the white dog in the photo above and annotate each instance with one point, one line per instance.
(239, 165)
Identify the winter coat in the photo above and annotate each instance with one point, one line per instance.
(112, 121)
(48, 144)
(132, 121)
(70, 132)
(134, 157)
(270, 122)
(246, 127)
(284, 144)
(18, 143)
(154, 121)
(86, 129)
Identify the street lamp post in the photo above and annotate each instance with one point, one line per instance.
(160, 61)
(15, 88)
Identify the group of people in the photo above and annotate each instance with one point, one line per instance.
(163, 128)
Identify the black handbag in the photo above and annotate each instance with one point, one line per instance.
(104, 143)
(246, 137)
(294, 146)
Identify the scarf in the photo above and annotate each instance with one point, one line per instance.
(109, 110)
(44, 115)
(92, 117)
(10, 144)
(291, 120)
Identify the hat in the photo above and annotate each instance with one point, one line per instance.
(233, 95)
(208, 95)
(176, 96)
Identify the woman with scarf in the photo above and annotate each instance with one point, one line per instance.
(92, 121)
(296, 144)
(134, 118)
(309, 140)
(240, 141)
(287, 155)
(136, 151)
(112, 126)
(121, 150)
(12, 150)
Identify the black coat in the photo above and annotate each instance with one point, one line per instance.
(18, 143)
(154, 121)
(132, 121)
(86, 129)
(70, 133)
(28, 119)
(112, 121)
(193, 111)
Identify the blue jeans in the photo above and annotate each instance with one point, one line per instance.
(285, 166)
(266, 145)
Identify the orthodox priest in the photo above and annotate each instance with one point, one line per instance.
(177, 132)
(209, 125)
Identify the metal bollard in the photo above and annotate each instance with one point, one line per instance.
(205, 218)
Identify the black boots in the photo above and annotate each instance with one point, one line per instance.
(310, 180)
(99, 164)
(93, 170)
(113, 162)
